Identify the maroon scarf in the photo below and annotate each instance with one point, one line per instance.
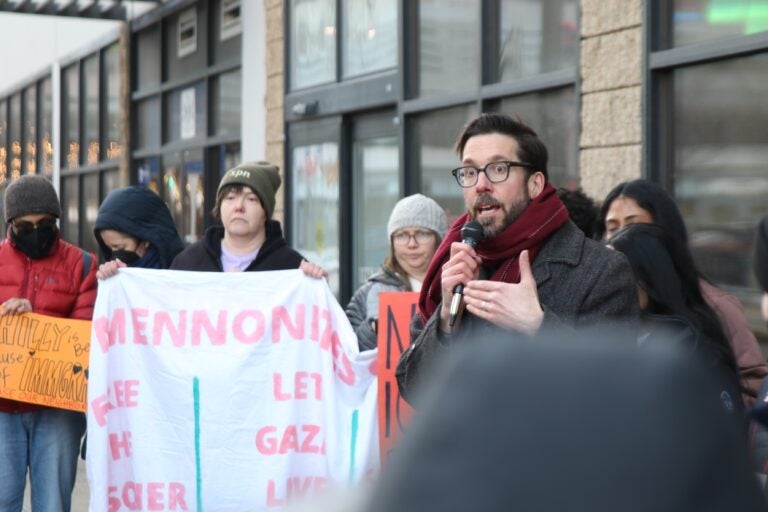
(544, 215)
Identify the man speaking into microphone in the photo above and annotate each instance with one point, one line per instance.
(532, 266)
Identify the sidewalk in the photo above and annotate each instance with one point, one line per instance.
(79, 496)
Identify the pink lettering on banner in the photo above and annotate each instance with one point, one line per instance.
(121, 393)
(238, 326)
(302, 382)
(176, 332)
(107, 334)
(295, 438)
(132, 496)
(118, 442)
(280, 317)
(296, 488)
(139, 318)
(201, 321)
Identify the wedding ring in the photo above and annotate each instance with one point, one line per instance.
(484, 306)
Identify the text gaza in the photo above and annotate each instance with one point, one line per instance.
(188, 328)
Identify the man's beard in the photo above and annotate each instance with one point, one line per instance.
(516, 209)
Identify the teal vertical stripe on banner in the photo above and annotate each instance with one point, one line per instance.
(198, 475)
(353, 446)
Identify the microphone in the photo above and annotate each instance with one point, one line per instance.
(471, 233)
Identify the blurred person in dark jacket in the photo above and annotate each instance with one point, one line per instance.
(760, 262)
(569, 423)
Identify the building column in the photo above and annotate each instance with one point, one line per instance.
(610, 148)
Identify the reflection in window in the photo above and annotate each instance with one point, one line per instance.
(434, 136)
(14, 136)
(91, 76)
(148, 172)
(370, 36)
(313, 42)
(194, 196)
(112, 77)
(30, 130)
(694, 21)
(110, 180)
(537, 37)
(3, 144)
(720, 155)
(91, 210)
(554, 116)
(172, 188)
(148, 123)
(375, 166)
(227, 104)
(186, 112)
(449, 46)
(45, 144)
(315, 206)
(71, 108)
(70, 209)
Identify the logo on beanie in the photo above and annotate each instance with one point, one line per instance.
(240, 173)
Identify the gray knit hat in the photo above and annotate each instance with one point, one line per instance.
(418, 211)
(261, 176)
(31, 194)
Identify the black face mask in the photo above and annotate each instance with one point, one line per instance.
(36, 243)
(128, 257)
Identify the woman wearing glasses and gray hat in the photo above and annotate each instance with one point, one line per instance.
(416, 226)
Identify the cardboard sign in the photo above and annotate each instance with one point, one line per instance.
(44, 360)
(395, 312)
(225, 392)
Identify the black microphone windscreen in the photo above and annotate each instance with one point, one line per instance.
(472, 232)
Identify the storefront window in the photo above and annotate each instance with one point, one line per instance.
(91, 76)
(227, 104)
(315, 206)
(3, 145)
(91, 201)
(71, 108)
(30, 130)
(434, 137)
(694, 21)
(14, 136)
(370, 36)
(112, 104)
(185, 111)
(45, 144)
(376, 167)
(313, 42)
(148, 125)
(449, 46)
(537, 37)
(70, 208)
(720, 155)
(554, 117)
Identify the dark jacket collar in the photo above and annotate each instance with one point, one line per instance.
(565, 246)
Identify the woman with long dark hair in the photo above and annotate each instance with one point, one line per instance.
(673, 309)
(641, 201)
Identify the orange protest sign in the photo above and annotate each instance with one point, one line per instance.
(395, 312)
(44, 360)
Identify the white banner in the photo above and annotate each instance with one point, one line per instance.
(224, 392)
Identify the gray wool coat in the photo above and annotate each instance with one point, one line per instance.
(581, 283)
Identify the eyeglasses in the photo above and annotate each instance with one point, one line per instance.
(23, 227)
(421, 237)
(495, 171)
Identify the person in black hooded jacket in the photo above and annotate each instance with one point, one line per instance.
(134, 228)
(248, 239)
